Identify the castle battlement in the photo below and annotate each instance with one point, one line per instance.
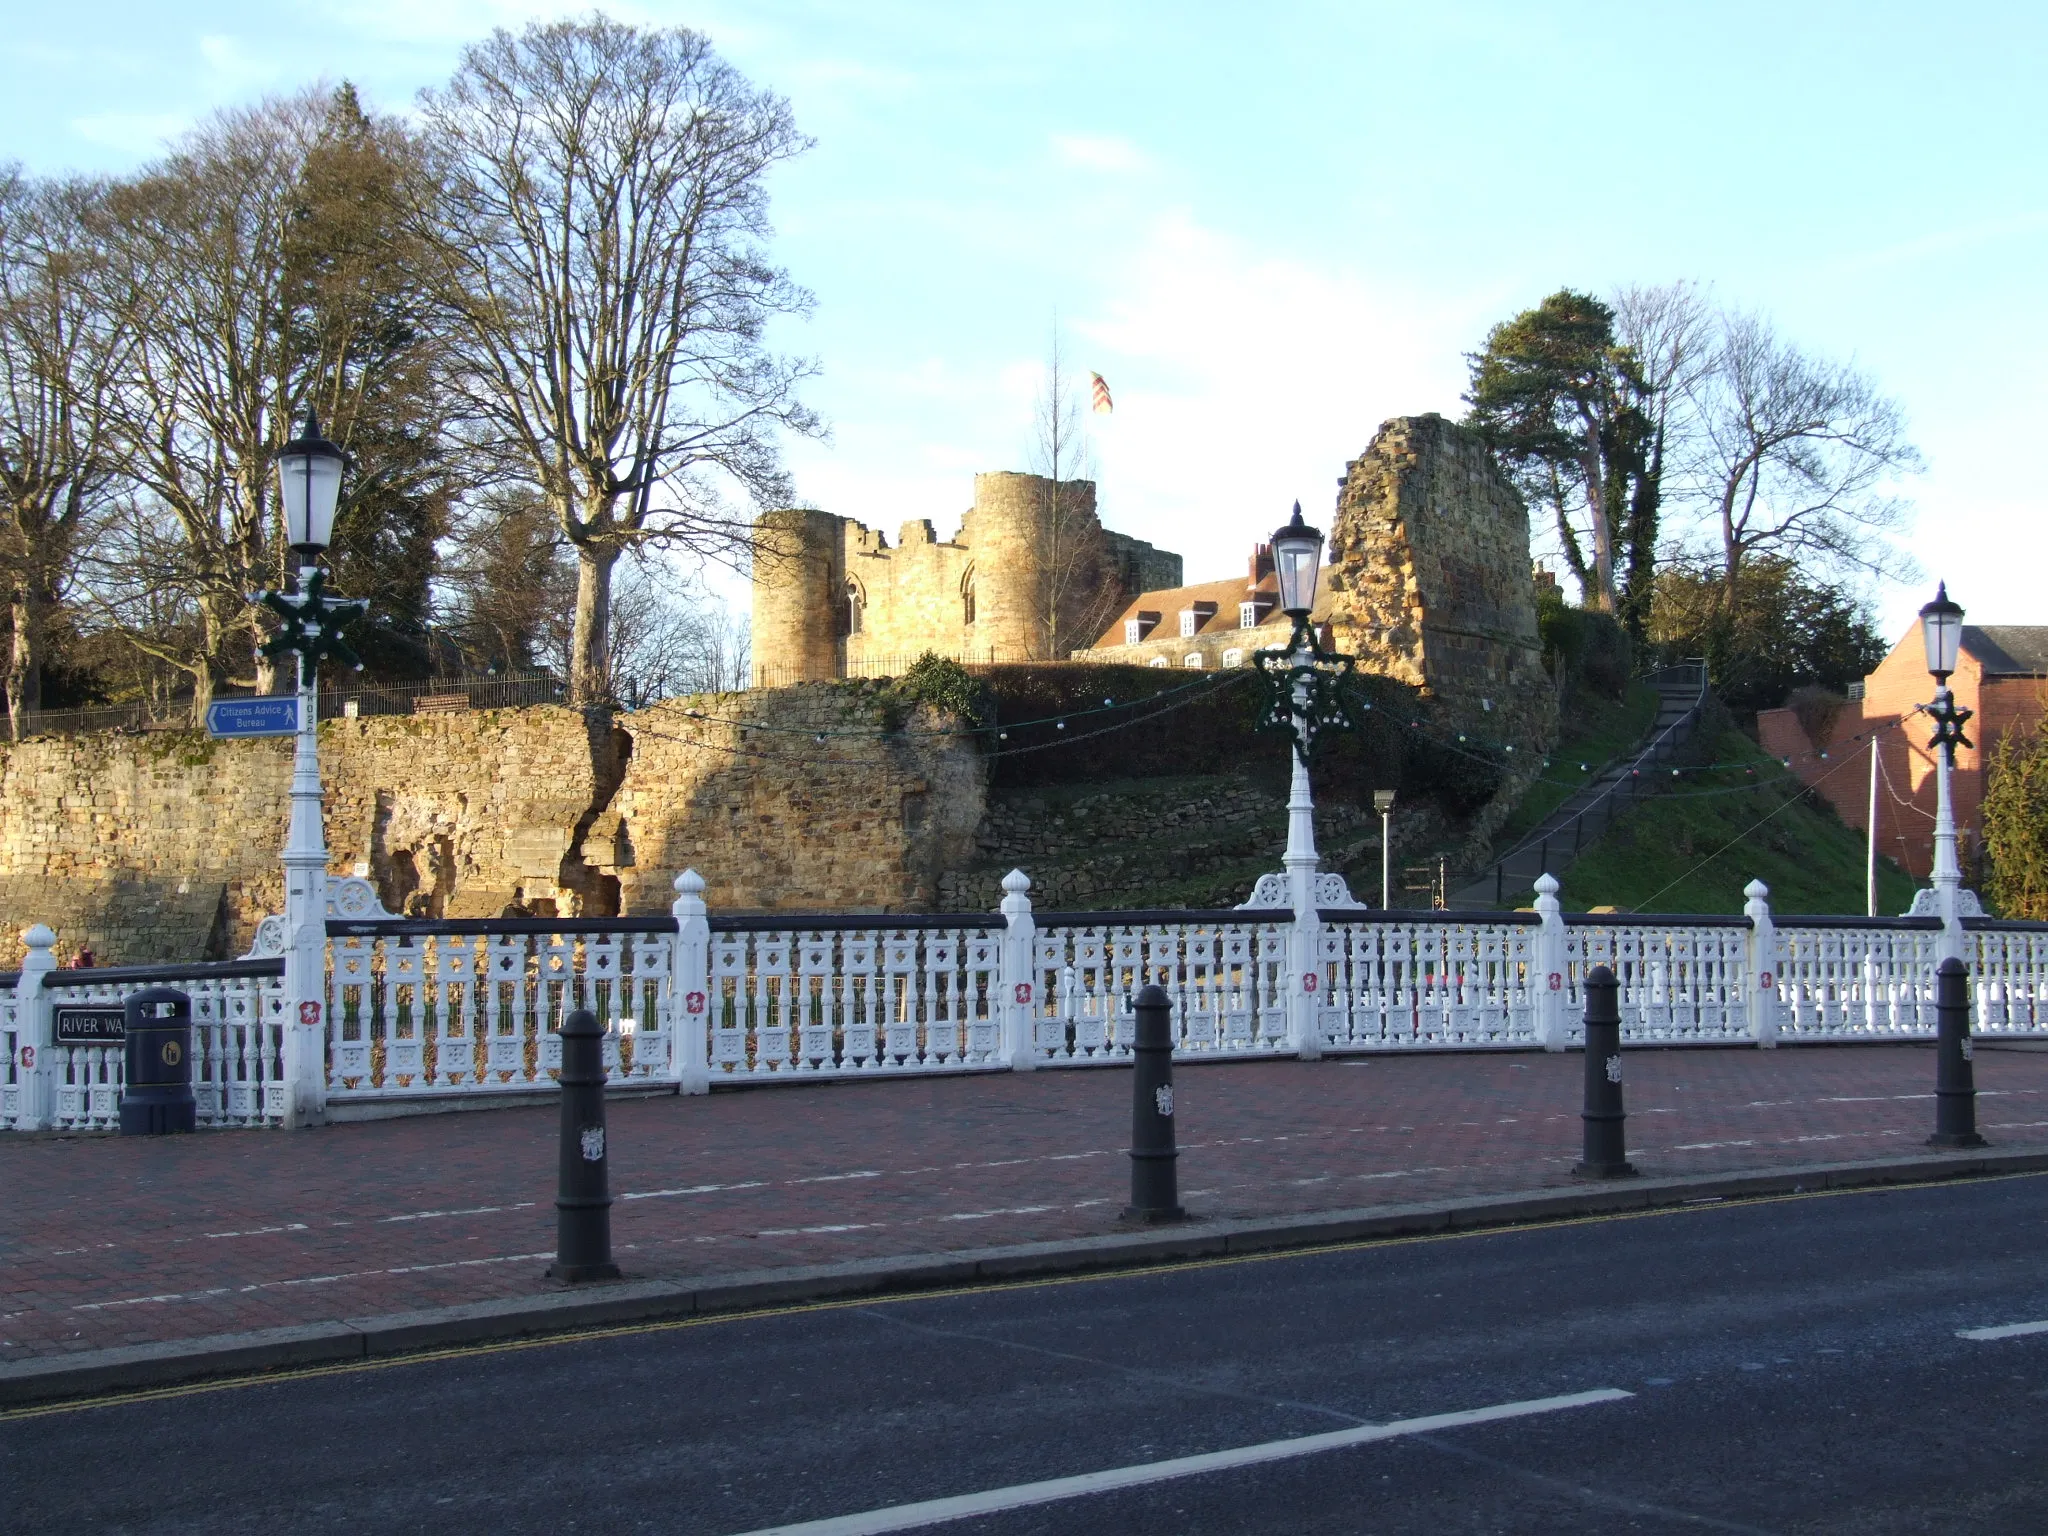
(1030, 575)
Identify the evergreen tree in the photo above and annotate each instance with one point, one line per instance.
(1561, 403)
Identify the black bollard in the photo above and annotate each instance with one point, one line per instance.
(583, 1200)
(1955, 1080)
(1155, 1193)
(1606, 1155)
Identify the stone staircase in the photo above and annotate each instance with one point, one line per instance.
(1552, 846)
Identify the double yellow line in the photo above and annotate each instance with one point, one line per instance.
(983, 1288)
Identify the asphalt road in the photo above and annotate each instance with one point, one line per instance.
(1788, 1366)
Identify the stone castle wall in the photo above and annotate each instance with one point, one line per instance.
(165, 846)
(1428, 580)
(833, 598)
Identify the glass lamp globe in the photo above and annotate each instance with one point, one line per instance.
(1941, 627)
(1297, 560)
(309, 478)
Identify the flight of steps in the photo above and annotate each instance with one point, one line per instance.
(1551, 846)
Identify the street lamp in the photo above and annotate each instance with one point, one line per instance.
(1941, 627)
(1305, 698)
(309, 627)
(1383, 802)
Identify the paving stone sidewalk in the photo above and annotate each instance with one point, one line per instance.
(109, 1241)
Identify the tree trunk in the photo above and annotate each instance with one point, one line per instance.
(590, 661)
(24, 665)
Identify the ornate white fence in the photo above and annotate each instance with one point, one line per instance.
(425, 1010)
(237, 1041)
(417, 1008)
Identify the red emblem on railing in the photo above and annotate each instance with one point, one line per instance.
(309, 1013)
(28, 1058)
(694, 1003)
(1308, 982)
(1023, 994)
(1764, 981)
(1556, 981)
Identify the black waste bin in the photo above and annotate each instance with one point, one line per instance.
(157, 1098)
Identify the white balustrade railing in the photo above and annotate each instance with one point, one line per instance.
(236, 1051)
(1680, 980)
(1225, 973)
(417, 1007)
(413, 1009)
(1851, 979)
(854, 997)
(1417, 980)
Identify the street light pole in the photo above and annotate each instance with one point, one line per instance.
(1941, 627)
(1304, 697)
(1383, 802)
(310, 620)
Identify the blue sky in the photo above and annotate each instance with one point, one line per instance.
(1272, 228)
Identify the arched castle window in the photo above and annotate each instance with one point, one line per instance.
(851, 612)
(967, 598)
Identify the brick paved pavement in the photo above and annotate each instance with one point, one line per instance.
(107, 1241)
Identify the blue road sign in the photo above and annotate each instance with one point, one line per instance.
(252, 717)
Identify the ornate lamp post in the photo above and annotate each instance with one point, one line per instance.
(310, 619)
(1941, 627)
(1305, 698)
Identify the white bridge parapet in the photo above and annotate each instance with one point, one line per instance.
(432, 1011)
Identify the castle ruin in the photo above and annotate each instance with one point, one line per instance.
(1031, 574)
(1427, 579)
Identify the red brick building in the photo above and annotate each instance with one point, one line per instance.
(2002, 674)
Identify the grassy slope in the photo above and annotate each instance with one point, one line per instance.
(1593, 733)
(1809, 859)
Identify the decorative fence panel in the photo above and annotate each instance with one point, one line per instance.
(2009, 962)
(1417, 980)
(1683, 980)
(419, 1007)
(1224, 972)
(11, 1040)
(854, 997)
(1853, 979)
(237, 1043)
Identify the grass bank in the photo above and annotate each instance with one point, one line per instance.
(1694, 847)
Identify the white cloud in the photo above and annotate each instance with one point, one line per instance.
(1100, 152)
(1244, 381)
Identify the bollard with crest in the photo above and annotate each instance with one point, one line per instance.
(583, 1200)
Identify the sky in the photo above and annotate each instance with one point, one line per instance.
(1272, 228)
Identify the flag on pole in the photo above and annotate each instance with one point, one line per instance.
(1103, 404)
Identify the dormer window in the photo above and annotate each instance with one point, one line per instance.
(1250, 615)
(1193, 617)
(1138, 626)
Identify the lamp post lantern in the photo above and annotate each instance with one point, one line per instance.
(1305, 698)
(309, 483)
(1941, 628)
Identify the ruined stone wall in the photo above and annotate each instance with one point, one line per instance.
(165, 846)
(1428, 579)
(983, 595)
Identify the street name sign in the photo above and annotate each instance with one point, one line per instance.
(91, 1026)
(252, 717)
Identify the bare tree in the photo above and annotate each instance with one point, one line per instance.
(1667, 331)
(253, 289)
(1076, 593)
(598, 213)
(60, 357)
(1798, 456)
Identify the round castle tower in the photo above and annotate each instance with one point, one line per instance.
(799, 593)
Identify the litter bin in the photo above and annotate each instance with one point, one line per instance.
(157, 1098)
